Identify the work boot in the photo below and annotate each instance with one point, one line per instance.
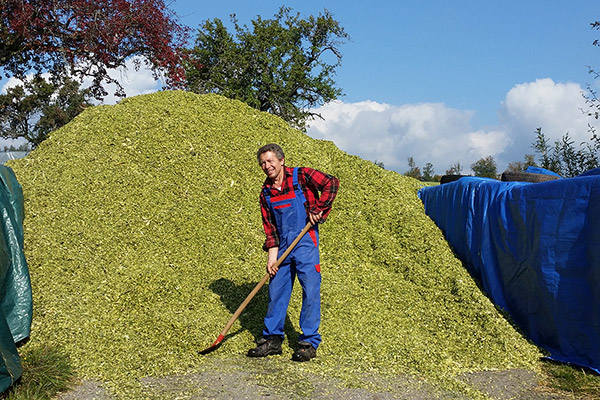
(266, 346)
(305, 352)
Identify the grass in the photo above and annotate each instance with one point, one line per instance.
(430, 183)
(46, 372)
(564, 378)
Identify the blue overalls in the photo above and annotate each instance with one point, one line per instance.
(303, 261)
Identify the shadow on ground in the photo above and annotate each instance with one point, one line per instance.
(251, 319)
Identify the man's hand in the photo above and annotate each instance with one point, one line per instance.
(315, 218)
(272, 260)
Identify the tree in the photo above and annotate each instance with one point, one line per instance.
(414, 171)
(592, 99)
(78, 38)
(485, 167)
(588, 155)
(21, 147)
(38, 107)
(549, 159)
(589, 151)
(380, 164)
(454, 169)
(568, 155)
(563, 158)
(519, 166)
(428, 173)
(280, 66)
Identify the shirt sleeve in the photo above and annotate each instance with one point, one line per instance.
(324, 183)
(272, 236)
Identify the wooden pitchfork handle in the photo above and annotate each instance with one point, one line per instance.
(260, 284)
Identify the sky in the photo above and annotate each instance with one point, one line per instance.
(443, 82)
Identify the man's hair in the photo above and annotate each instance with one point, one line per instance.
(275, 148)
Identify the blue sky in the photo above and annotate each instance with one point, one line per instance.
(430, 79)
(467, 54)
(444, 82)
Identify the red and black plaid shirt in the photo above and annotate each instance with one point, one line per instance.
(312, 182)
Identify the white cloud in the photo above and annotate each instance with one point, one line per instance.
(11, 82)
(555, 107)
(433, 132)
(483, 143)
(428, 132)
(134, 82)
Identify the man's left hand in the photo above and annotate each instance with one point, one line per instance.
(315, 218)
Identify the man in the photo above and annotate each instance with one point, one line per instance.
(289, 199)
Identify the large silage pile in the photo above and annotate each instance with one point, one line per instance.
(143, 235)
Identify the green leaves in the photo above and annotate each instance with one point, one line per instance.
(485, 167)
(37, 107)
(281, 65)
(143, 235)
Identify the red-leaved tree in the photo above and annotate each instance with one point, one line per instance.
(81, 38)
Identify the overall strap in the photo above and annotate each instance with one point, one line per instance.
(297, 188)
(267, 194)
(296, 185)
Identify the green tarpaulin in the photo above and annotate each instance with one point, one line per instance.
(15, 286)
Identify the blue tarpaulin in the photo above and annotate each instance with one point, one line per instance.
(535, 248)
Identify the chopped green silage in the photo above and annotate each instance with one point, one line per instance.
(143, 235)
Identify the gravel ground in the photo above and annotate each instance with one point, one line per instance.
(226, 382)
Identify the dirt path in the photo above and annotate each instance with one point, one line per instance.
(226, 381)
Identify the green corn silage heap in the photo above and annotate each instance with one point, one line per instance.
(143, 235)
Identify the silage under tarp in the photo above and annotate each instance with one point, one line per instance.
(535, 247)
(143, 235)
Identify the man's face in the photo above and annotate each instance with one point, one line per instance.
(270, 165)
